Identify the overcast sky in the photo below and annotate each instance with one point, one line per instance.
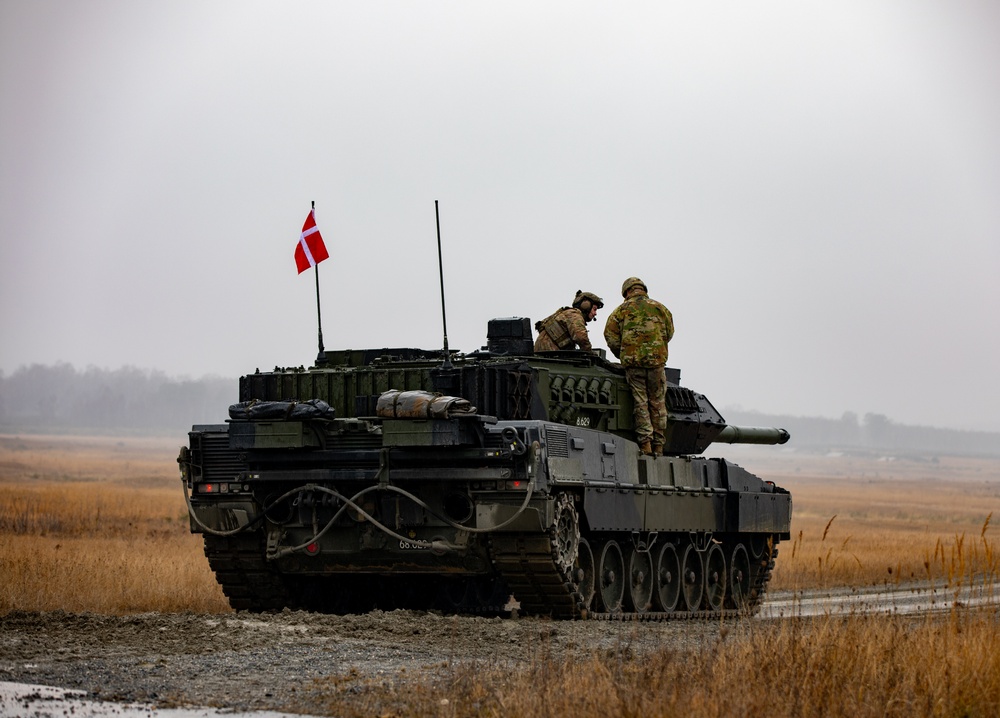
(812, 188)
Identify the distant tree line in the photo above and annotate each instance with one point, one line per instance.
(60, 398)
(63, 399)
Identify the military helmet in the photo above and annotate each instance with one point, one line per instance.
(582, 297)
(632, 282)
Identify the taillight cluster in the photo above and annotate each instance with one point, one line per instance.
(221, 487)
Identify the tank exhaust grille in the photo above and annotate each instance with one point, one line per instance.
(216, 461)
(557, 442)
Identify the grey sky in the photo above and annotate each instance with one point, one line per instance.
(812, 188)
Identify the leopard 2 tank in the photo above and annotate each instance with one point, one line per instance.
(390, 478)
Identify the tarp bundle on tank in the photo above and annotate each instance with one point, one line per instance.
(396, 404)
(255, 410)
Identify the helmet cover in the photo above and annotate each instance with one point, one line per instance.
(632, 282)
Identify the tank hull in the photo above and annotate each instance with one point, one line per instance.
(466, 514)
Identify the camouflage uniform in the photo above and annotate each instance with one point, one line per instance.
(565, 329)
(637, 333)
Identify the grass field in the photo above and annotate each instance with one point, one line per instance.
(868, 521)
(99, 524)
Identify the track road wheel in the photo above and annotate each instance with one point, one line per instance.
(639, 593)
(667, 592)
(565, 534)
(739, 577)
(715, 577)
(759, 546)
(583, 574)
(610, 579)
(692, 578)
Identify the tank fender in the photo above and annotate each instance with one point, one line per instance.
(756, 505)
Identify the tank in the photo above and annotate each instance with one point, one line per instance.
(479, 483)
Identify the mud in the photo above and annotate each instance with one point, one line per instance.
(281, 662)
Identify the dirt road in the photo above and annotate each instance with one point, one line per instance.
(287, 661)
(281, 661)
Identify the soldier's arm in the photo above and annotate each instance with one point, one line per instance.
(578, 331)
(613, 334)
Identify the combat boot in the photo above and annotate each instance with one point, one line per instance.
(657, 449)
(645, 448)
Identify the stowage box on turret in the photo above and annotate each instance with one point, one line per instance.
(390, 478)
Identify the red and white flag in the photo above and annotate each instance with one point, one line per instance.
(310, 250)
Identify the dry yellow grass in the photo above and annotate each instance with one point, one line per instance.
(97, 524)
(864, 521)
(108, 575)
(855, 667)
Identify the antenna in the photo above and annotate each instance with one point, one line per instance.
(444, 317)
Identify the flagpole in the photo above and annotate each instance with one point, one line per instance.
(321, 357)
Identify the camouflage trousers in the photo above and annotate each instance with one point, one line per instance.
(649, 394)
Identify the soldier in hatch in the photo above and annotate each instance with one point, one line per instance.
(637, 333)
(567, 328)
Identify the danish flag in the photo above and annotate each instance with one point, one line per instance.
(310, 250)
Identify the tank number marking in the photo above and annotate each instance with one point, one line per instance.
(583, 421)
(407, 546)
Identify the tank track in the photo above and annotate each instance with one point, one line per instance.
(241, 569)
(528, 566)
(526, 563)
(251, 584)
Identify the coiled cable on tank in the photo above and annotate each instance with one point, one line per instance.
(215, 532)
(351, 503)
(249, 525)
(433, 545)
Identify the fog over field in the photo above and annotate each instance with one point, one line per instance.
(811, 188)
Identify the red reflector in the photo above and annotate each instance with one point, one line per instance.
(207, 488)
(312, 548)
(517, 484)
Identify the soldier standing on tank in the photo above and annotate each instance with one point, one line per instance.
(637, 333)
(567, 328)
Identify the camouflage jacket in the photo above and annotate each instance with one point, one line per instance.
(637, 332)
(565, 329)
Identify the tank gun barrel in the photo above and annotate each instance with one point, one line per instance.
(752, 435)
